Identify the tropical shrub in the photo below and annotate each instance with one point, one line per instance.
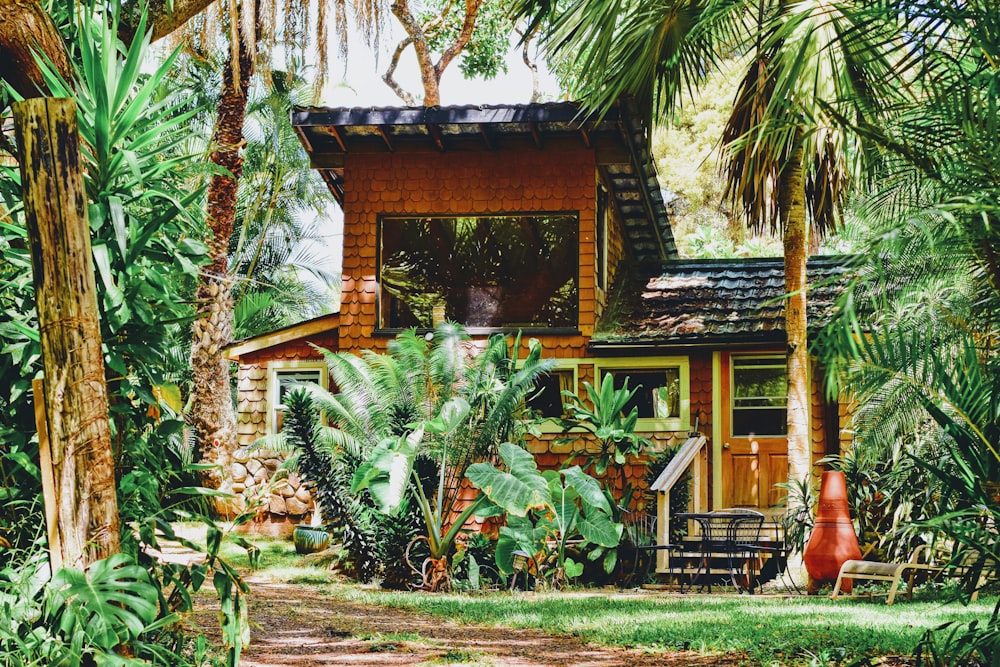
(406, 425)
(602, 418)
(143, 204)
(350, 517)
(143, 217)
(546, 513)
(114, 613)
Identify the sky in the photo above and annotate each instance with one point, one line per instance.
(364, 85)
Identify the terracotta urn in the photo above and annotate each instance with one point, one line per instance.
(833, 540)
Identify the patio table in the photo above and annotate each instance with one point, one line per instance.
(732, 535)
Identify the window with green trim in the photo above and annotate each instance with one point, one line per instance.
(662, 395)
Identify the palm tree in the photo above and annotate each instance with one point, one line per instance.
(212, 415)
(786, 155)
(916, 342)
(787, 159)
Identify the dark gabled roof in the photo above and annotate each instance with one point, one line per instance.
(619, 140)
(695, 302)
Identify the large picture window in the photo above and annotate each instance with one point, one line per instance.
(760, 396)
(480, 271)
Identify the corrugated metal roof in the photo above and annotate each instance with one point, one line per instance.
(699, 301)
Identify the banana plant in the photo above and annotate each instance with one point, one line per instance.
(546, 512)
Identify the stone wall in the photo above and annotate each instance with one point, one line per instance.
(277, 505)
(274, 498)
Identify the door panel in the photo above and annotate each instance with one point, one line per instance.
(777, 467)
(745, 477)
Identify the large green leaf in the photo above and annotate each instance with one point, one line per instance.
(387, 473)
(588, 488)
(518, 491)
(112, 602)
(450, 417)
(597, 527)
(520, 534)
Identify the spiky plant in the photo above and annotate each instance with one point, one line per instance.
(409, 399)
(339, 511)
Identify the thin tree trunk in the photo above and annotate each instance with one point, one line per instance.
(794, 229)
(212, 416)
(76, 402)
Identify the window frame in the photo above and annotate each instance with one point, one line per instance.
(382, 327)
(779, 359)
(274, 371)
(679, 424)
(549, 424)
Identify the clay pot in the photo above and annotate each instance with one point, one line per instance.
(833, 540)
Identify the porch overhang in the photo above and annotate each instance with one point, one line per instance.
(715, 304)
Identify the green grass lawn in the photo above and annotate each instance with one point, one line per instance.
(768, 630)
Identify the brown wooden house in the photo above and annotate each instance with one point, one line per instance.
(539, 219)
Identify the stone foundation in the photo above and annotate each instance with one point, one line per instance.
(273, 498)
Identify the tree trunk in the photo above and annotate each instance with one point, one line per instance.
(212, 416)
(794, 228)
(26, 29)
(76, 403)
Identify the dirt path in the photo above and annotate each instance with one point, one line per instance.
(296, 626)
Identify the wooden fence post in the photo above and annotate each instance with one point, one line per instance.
(76, 403)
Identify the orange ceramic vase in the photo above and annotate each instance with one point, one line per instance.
(833, 540)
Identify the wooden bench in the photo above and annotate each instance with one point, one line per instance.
(892, 572)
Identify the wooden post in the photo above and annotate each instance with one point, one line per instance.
(76, 403)
(48, 476)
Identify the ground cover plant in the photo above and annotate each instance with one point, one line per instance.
(767, 630)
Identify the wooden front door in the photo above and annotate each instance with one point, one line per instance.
(754, 448)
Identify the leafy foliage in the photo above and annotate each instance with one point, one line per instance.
(141, 195)
(558, 506)
(425, 411)
(603, 417)
(344, 514)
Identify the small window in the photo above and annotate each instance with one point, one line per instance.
(662, 386)
(283, 380)
(760, 396)
(658, 391)
(547, 400)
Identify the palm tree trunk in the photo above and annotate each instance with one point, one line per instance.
(212, 416)
(794, 229)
